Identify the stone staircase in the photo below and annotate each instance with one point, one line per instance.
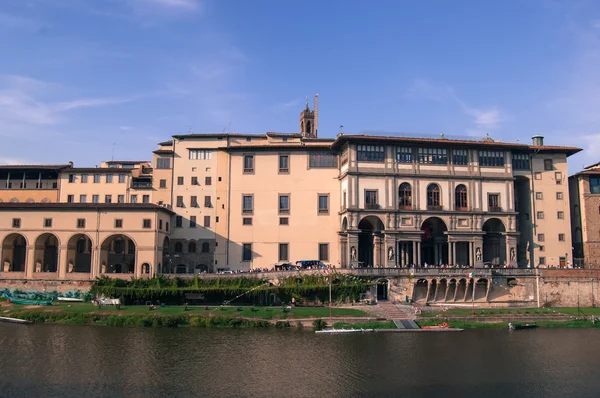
(401, 315)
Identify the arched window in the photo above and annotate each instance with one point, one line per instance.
(205, 247)
(433, 195)
(405, 195)
(178, 247)
(192, 247)
(460, 197)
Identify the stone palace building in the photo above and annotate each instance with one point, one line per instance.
(207, 202)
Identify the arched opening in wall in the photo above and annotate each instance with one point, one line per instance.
(434, 241)
(192, 247)
(524, 223)
(382, 289)
(370, 227)
(14, 252)
(481, 289)
(405, 196)
(494, 242)
(461, 290)
(181, 269)
(432, 290)
(460, 198)
(201, 269)
(451, 290)
(178, 247)
(420, 290)
(441, 290)
(205, 247)
(344, 224)
(308, 127)
(79, 254)
(146, 268)
(118, 255)
(46, 253)
(166, 257)
(434, 200)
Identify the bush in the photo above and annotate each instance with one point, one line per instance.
(240, 309)
(319, 324)
(282, 324)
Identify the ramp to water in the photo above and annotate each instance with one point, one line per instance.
(406, 324)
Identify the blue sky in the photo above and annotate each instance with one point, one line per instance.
(77, 76)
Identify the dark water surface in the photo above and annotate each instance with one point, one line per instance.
(86, 361)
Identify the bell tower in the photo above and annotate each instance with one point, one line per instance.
(309, 120)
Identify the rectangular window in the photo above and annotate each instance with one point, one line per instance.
(344, 200)
(200, 154)
(323, 251)
(404, 155)
(247, 252)
(323, 203)
(179, 180)
(284, 164)
(121, 178)
(548, 164)
(207, 221)
(121, 198)
(432, 156)
(594, 184)
(540, 215)
(118, 223)
(147, 223)
(192, 221)
(520, 161)
(538, 196)
(163, 163)
(207, 180)
(491, 159)
(16, 223)
(107, 198)
(134, 199)
(167, 226)
(71, 178)
(109, 178)
(247, 221)
(284, 221)
(560, 215)
(406, 221)
(247, 204)
(542, 248)
(95, 198)
(371, 199)
(81, 223)
(558, 177)
(537, 176)
(284, 204)
(248, 164)
(559, 196)
(494, 202)
(207, 201)
(84, 178)
(194, 181)
(561, 237)
(48, 222)
(70, 198)
(178, 221)
(160, 224)
(371, 153)
(283, 252)
(460, 157)
(163, 184)
(322, 160)
(194, 201)
(541, 238)
(146, 199)
(96, 178)
(180, 201)
(542, 260)
(82, 198)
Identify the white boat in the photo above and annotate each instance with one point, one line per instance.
(343, 331)
(70, 299)
(14, 320)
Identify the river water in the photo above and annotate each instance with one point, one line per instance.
(92, 361)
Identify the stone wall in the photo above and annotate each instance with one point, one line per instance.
(43, 285)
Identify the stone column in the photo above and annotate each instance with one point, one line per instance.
(435, 253)
(62, 262)
(418, 254)
(30, 261)
(471, 254)
(414, 256)
(377, 251)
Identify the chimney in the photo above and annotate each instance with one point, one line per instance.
(538, 140)
(70, 163)
(316, 112)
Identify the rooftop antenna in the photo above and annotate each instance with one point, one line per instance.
(230, 126)
(113, 153)
(341, 127)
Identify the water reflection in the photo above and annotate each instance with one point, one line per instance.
(75, 361)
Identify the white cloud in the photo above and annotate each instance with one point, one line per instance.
(181, 4)
(88, 102)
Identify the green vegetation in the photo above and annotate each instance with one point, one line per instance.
(575, 323)
(302, 288)
(365, 325)
(488, 312)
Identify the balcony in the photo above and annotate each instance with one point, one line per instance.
(372, 206)
(435, 207)
(462, 209)
(405, 207)
(141, 183)
(495, 209)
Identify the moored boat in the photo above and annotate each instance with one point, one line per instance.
(14, 320)
(343, 331)
(516, 326)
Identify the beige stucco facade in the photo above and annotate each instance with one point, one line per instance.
(584, 192)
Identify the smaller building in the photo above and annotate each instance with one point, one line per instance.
(584, 192)
(81, 241)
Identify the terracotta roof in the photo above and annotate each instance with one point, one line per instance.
(127, 161)
(163, 151)
(82, 206)
(569, 150)
(274, 134)
(282, 146)
(35, 166)
(592, 165)
(588, 172)
(215, 135)
(166, 143)
(102, 170)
